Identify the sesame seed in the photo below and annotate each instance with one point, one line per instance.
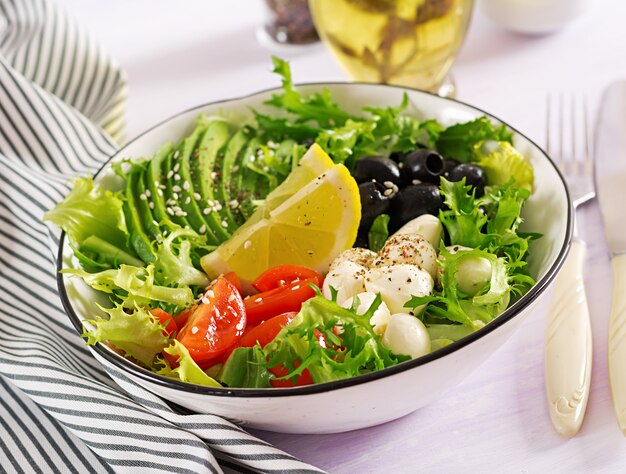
(175, 196)
(258, 300)
(416, 181)
(388, 192)
(235, 168)
(160, 192)
(224, 223)
(143, 197)
(234, 204)
(181, 213)
(206, 210)
(206, 300)
(176, 177)
(210, 294)
(247, 244)
(151, 205)
(170, 211)
(388, 184)
(266, 169)
(170, 202)
(194, 329)
(197, 196)
(176, 167)
(188, 200)
(176, 153)
(170, 173)
(213, 174)
(156, 183)
(202, 229)
(148, 193)
(186, 185)
(176, 188)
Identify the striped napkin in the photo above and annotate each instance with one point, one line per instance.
(61, 113)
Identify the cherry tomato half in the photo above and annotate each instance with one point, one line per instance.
(215, 325)
(234, 279)
(282, 275)
(263, 306)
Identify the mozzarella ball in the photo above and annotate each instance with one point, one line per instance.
(381, 316)
(427, 225)
(473, 272)
(406, 335)
(397, 284)
(411, 249)
(363, 257)
(347, 277)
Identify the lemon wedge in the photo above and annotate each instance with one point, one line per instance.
(314, 162)
(309, 221)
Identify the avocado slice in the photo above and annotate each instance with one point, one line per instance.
(143, 199)
(226, 189)
(154, 183)
(172, 181)
(138, 238)
(184, 186)
(203, 176)
(247, 180)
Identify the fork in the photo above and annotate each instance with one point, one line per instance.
(568, 343)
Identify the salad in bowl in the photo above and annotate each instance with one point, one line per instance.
(291, 243)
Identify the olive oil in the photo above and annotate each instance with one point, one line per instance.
(406, 42)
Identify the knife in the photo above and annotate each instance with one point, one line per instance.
(610, 176)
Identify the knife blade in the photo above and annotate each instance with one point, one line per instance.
(610, 177)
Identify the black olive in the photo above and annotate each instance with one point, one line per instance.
(423, 166)
(473, 174)
(413, 201)
(373, 203)
(379, 168)
(361, 240)
(448, 166)
(397, 156)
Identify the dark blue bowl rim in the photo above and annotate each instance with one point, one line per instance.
(148, 376)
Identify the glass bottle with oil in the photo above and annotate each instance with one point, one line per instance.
(405, 42)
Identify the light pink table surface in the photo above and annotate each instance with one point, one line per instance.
(181, 54)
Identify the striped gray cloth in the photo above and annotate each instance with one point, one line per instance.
(59, 410)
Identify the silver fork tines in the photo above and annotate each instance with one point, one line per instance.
(571, 154)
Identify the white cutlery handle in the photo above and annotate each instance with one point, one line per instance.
(568, 346)
(617, 341)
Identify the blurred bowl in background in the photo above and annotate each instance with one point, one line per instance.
(533, 17)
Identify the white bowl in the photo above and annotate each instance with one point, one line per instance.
(364, 400)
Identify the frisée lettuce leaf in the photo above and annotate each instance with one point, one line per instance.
(186, 369)
(134, 331)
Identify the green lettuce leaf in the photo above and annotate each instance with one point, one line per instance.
(503, 163)
(245, 367)
(459, 141)
(464, 219)
(359, 350)
(135, 332)
(173, 266)
(451, 304)
(378, 233)
(317, 107)
(90, 211)
(134, 286)
(187, 369)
